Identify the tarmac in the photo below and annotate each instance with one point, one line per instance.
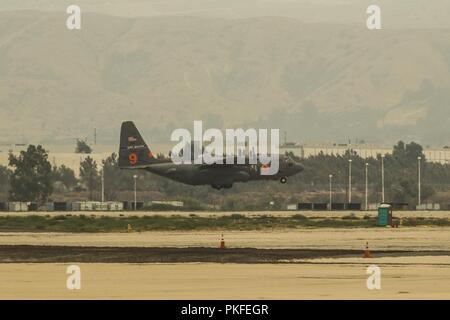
(304, 263)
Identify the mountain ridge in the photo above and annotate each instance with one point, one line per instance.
(317, 81)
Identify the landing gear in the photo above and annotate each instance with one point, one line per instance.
(283, 180)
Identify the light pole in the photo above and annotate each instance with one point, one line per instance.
(135, 196)
(349, 180)
(103, 184)
(331, 178)
(382, 178)
(367, 183)
(418, 173)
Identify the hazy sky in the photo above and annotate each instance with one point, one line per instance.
(309, 67)
(396, 14)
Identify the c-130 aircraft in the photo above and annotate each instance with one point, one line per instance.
(135, 154)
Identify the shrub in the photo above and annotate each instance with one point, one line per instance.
(299, 217)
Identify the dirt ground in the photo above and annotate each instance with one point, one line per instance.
(66, 254)
(411, 238)
(401, 278)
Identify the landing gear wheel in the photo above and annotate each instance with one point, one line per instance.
(283, 180)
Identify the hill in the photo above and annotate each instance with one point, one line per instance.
(318, 81)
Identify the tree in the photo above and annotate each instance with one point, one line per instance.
(83, 147)
(399, 150)
(65, 176)
(30, 180)
(404, 191)
(427, 192)
(414, 150)
(89, 175)
(407, 153)
(5, 173)
(112, 176)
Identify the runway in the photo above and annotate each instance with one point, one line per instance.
(420, 277)
(303, 263)
(411, 238)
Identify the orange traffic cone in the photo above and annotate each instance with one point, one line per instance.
(222, 243)
(367, 252)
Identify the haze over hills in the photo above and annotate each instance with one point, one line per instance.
(410, 14)
(318, 81)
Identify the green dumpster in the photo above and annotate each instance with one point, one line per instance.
(384, 215)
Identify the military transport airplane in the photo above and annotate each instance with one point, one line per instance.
(135, 154)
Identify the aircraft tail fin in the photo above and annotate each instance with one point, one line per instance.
(133, 152)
